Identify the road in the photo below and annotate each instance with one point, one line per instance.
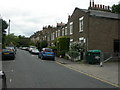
(28, 71)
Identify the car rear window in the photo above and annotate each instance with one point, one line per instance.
(47, 50)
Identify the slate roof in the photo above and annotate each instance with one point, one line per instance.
(104, 14)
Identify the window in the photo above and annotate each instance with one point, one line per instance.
(48, 38)
(65, 30)
(58, 33)
(81, 24)
(62, 31)
(82, 40)
(52, 35)
(71, 40)
(45, 37)
(71, 28)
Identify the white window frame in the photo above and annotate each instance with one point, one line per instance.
(82, 39)
(45, 37)
(63, 32)
(81, 24)
(53, 35)
(71, 40)
(71, 28)
(48, 38)
(58, 33)
(66, 31)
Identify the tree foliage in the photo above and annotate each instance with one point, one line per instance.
(116, 8)
(42, 44)
(63, 43)
(4, 26)
(77, 46)
(17, 40)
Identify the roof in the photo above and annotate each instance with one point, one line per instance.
(104, 14)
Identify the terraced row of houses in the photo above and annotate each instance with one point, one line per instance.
(96, 26)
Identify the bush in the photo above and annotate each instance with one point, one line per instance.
(62, 43)
(73, 54)
(42, 44)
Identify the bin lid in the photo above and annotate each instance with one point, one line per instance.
(94, 51)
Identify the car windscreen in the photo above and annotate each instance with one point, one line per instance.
(48, 50)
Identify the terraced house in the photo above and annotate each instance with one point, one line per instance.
(96, 26)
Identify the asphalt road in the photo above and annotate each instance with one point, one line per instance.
(28, 71)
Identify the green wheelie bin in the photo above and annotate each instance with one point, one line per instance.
(93, 56)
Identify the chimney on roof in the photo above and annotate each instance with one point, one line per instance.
(90, 4)
(108, 7)
(69, 17)
(103, 6)
(93, 3)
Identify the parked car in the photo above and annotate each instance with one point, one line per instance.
(31, 47)
(8, 54)
(47, 53)
(3, 83)
(12, 48)
(24, 48)
(35, 51)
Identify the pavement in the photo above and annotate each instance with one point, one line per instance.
(107, 73)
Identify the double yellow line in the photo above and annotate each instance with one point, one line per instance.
(90, 75)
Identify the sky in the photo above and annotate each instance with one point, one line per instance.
(29, 16)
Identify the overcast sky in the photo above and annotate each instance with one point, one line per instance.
(29, 16)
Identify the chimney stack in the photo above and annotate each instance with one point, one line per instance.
(101, 6)
(90, 4)
(93, 3)
(98, 6)
(108, 7)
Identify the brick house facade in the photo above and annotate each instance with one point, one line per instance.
(96, 26)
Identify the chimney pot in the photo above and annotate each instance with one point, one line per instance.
(98, 6)
(90, 4)
(108, 7)
(101, 6)
(93, 3)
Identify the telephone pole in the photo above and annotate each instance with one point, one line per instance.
(9, 28)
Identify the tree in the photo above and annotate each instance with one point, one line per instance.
(116, 8)
(11, 40)
(4, 26)
(42, 44)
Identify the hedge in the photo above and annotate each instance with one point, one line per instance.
(63, 43)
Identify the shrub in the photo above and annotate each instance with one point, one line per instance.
(73, 54)
(63, 43)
